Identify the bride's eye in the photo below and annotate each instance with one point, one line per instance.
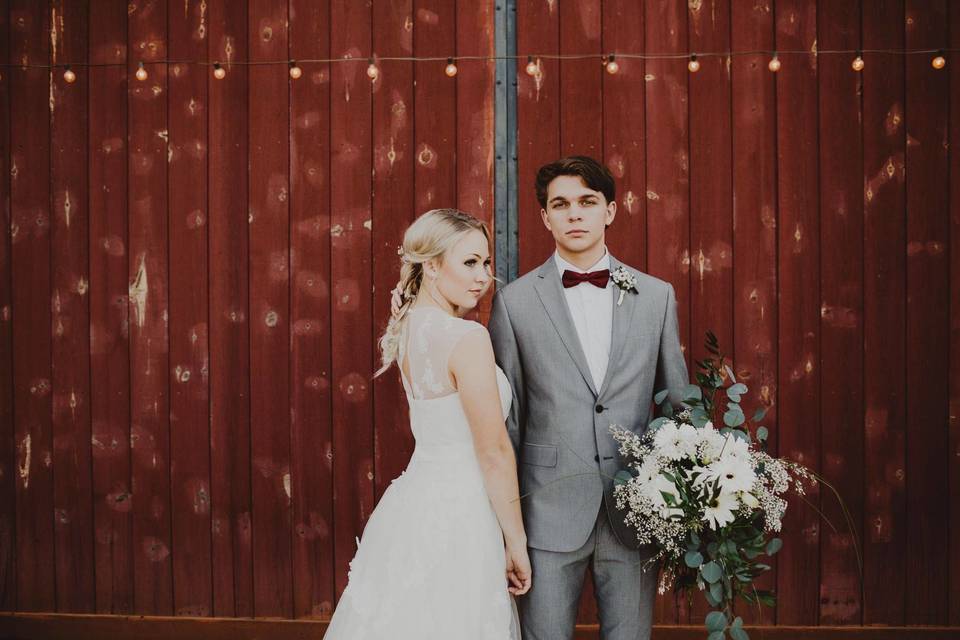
(470, 262)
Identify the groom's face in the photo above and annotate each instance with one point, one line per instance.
(576, 215)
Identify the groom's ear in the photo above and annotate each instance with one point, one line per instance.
(546, 220)
(611, 212)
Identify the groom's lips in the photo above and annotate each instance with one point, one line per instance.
(576, 232)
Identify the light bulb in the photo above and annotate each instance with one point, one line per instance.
(141, 72)
(774, 64)
(219, 72)
(612, 65)
(694, 64)
(451, 69)
(939, 62)
(69, 75)
(532, 67)
(295, 71)
(857, 64)
(372, 70)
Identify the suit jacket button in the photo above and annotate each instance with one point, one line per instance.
(599, 408)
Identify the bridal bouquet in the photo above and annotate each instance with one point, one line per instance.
(709, 499)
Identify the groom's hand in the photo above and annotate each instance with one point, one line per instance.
(519, 575)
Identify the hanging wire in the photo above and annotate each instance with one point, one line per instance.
(534, 56)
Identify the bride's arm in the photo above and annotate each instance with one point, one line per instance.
(473, 370)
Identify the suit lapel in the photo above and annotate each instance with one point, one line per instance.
(622, 318)
(550, 290)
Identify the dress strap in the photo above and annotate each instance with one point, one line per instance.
(401, 351)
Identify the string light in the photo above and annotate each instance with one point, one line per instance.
(774, 64)
(451, 68)
(611, 65)
(141, 72)
(694, 64)
(858, 63)
(532, 67)
(295, 71)
(939, 62)
(219, 72)
(69, 75)
(372, 70)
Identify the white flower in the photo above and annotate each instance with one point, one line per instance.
(749, 500)
(720, 512)
(666, 441)
(624, 281)
(732, 472)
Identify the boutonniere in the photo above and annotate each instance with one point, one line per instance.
(624, 281)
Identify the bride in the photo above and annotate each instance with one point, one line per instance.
(445, 549)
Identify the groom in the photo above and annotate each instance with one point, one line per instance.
(579, 359)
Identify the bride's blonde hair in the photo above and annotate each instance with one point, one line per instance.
(430, 236)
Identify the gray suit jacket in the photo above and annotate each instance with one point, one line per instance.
(559, 423)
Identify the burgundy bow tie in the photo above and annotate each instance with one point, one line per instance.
(596, 278)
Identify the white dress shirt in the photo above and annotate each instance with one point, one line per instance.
(592, 310)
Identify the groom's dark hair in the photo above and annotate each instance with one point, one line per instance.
(594, 175)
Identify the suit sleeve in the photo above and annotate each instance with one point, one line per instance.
(507, 354)
(671, 365)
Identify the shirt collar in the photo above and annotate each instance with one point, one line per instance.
(599, 265)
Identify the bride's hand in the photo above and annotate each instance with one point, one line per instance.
(395, 300)
(519, 578)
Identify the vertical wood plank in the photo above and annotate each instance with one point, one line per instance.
(310, 417)
(581, 81)
(711, 198)
(755, 308)
(475, 115)
(581, 133)
(884, 316)
(393, 205)
(189, 355)
(8, 499)
(841, 304)
(538, 123)
(149, 312)
(624, 135)
(350, 206)
(72, 489)
(435, 111)
(927, 317)
(270, 309)
(30, 265)
(230, 440)
(953, 595)
(799, 298)
(668, 179)
(109, 310)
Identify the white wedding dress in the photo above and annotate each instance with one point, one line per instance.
(431, 561)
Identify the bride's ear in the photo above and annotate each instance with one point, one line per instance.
(431, 269)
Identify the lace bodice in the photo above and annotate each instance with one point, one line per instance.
(431, 336)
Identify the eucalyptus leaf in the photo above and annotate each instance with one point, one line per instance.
(733, 418)
(713, 602)
(738, 633)
(622, 477)
(657, 423)
(716, 591)
(694, 538)
(730, 375)
(668, 409)
(711, 572)
(717, 635)
(693, 559)
(692, 391)
(774, 545)
(762, 434)
(761, 412)
(715, 621)
(658, 398)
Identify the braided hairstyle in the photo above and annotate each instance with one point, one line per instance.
(429, 237)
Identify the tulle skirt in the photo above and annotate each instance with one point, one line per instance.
(431, 561)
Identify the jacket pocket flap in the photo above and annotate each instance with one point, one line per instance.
(541, 455)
